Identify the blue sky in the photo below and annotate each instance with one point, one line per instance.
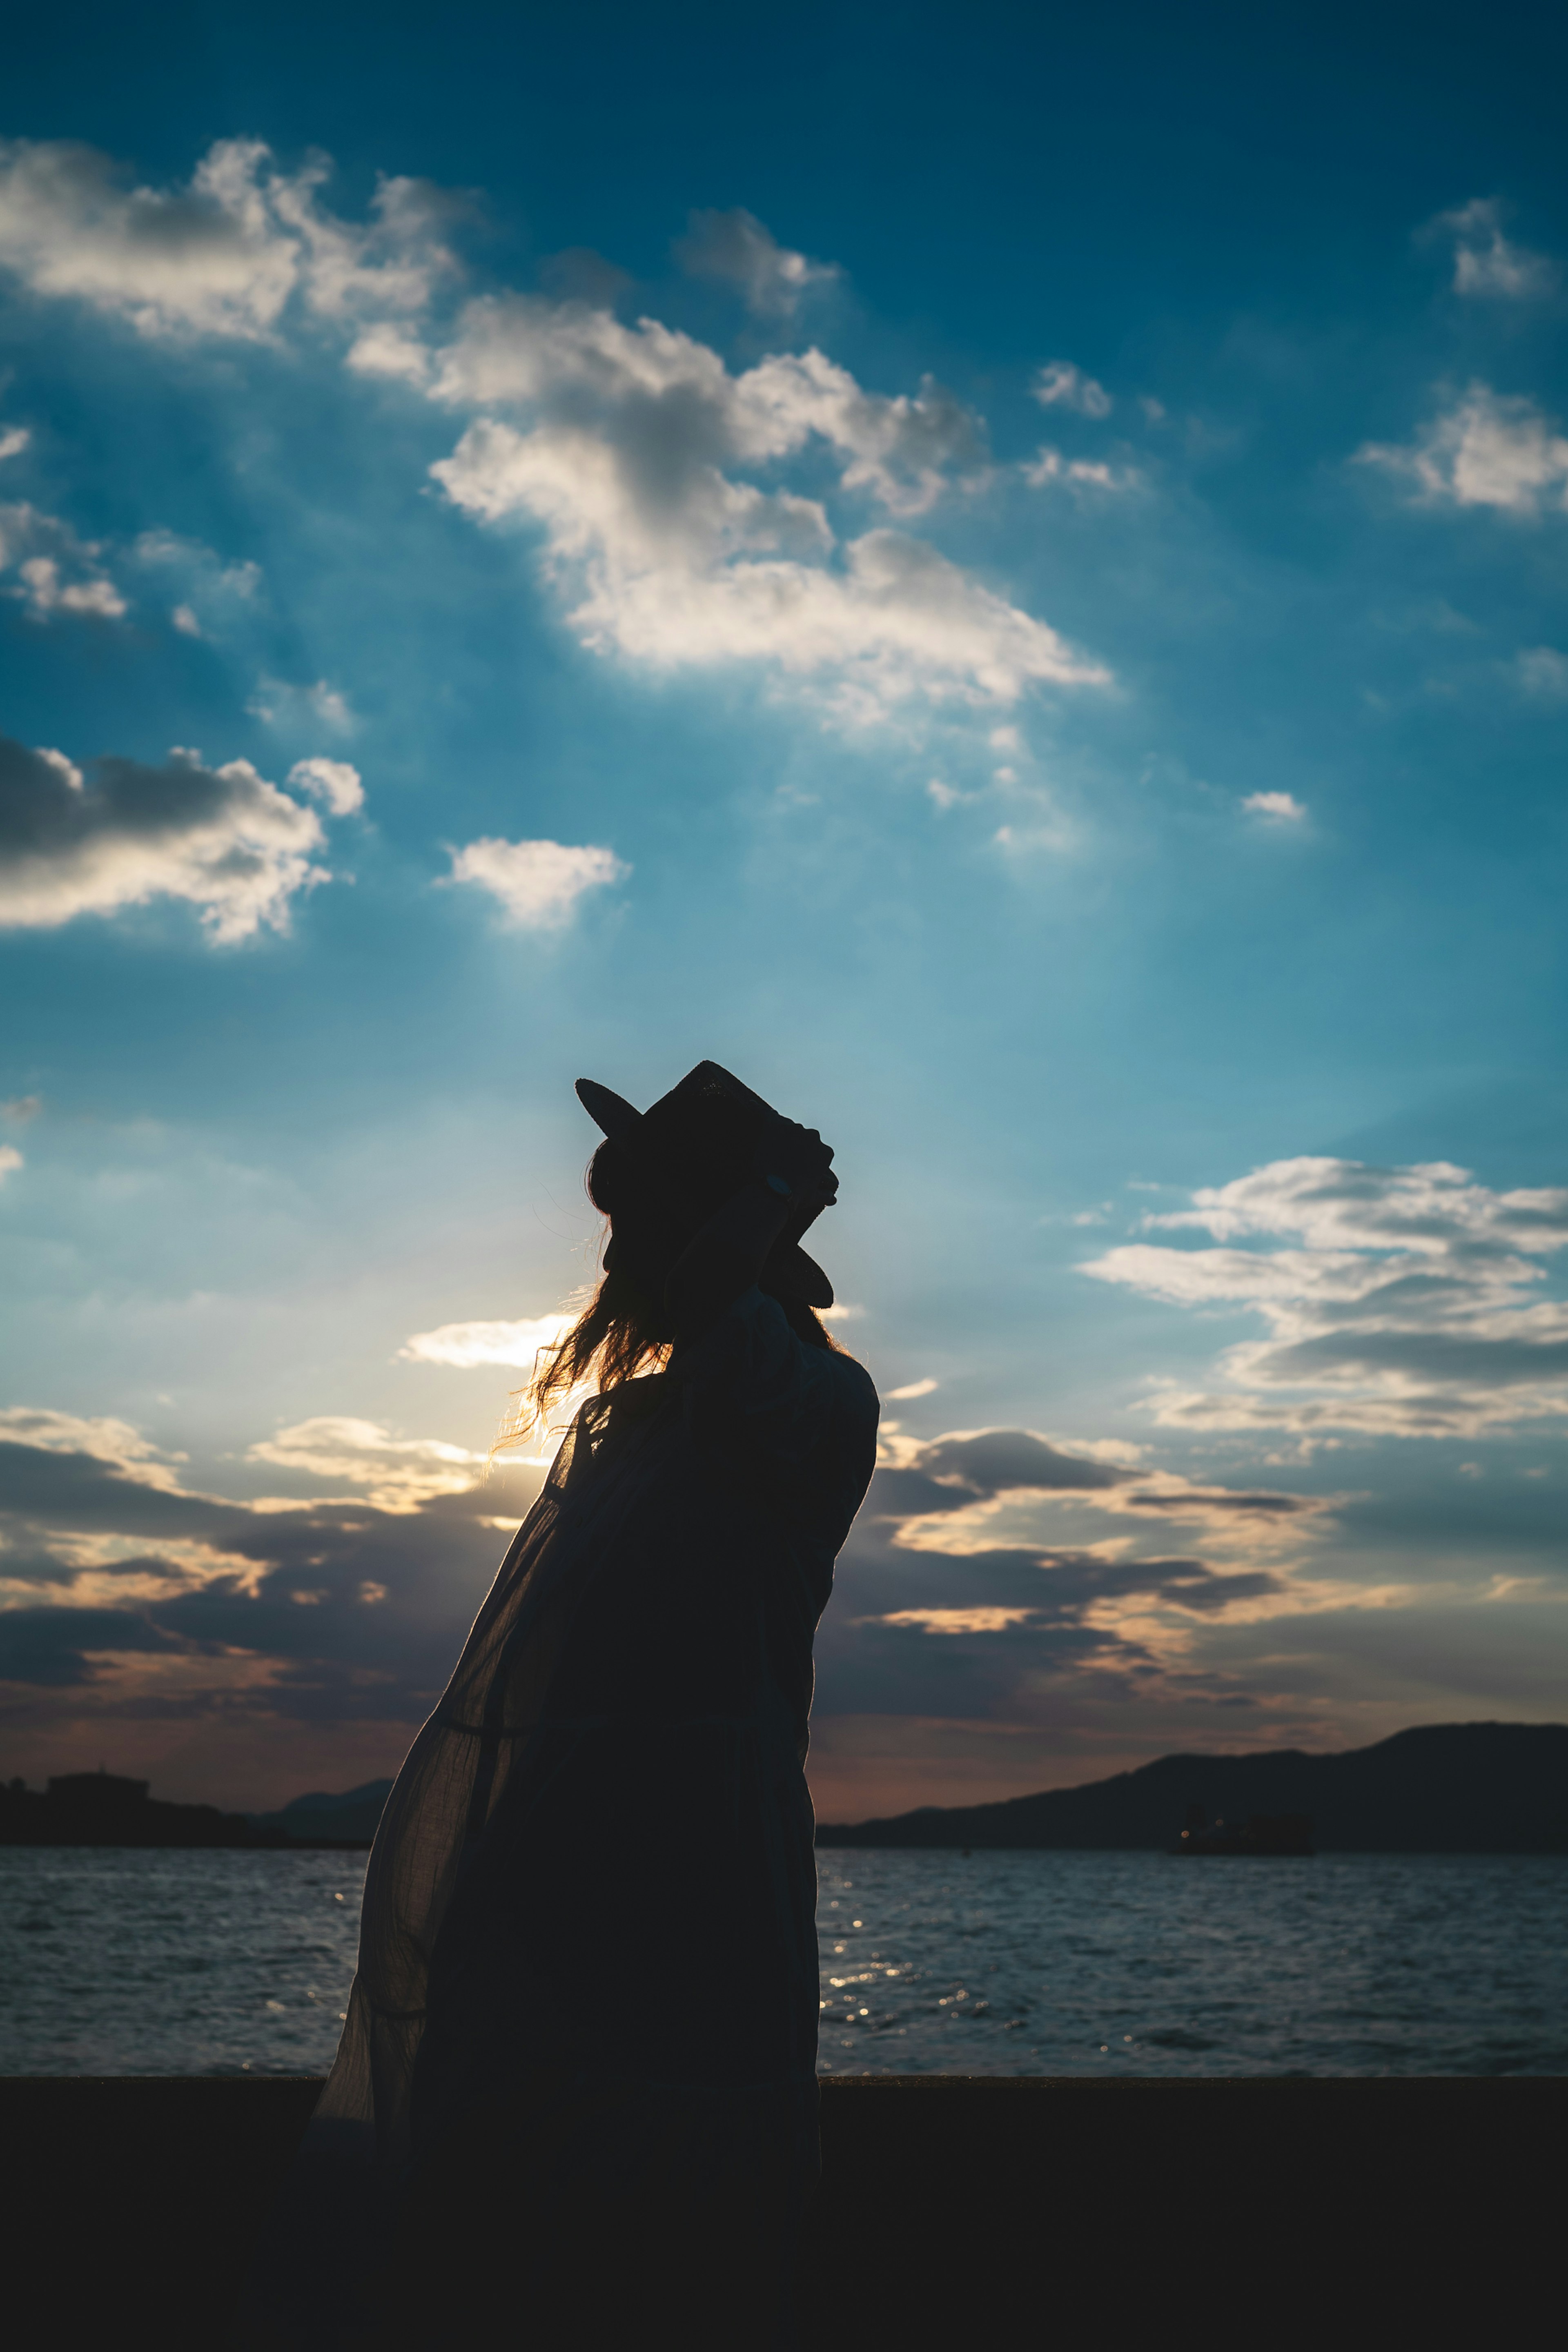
(1008, 585)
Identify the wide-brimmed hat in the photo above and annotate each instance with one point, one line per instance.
(698, 1140)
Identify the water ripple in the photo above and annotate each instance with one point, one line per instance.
(1137, 1964)
(219, 1963)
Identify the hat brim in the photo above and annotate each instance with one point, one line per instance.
(816, 1288)
(610, 1112)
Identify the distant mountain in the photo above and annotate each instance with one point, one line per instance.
(1459, 1788)
(350, 1819)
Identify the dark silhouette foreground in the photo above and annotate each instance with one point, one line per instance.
(953, 2212)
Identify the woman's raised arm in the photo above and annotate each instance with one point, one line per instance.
(793, 1167)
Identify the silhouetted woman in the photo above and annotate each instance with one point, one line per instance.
(581, 2041)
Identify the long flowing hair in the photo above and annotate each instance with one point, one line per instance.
(626, 1329)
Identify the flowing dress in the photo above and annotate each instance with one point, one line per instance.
(581, 2040)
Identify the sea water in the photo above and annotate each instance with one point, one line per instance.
(1150, 1964)
(152, 1963)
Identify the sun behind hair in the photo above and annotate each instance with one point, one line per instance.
(625, 1329)
(611, 1342)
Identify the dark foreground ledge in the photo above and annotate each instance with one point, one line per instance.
(954, 2208)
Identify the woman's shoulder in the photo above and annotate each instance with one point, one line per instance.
(757, 1321)
(751, 1360)
(854, 1381)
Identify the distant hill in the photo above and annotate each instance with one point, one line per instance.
(1457, 1788)
(350, 1818)
(102, 1809)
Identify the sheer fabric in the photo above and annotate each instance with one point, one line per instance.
(587, 1979)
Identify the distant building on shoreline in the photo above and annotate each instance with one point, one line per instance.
(1260, 1833)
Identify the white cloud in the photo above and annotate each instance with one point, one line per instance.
(893, 621)
(633, 455)
(296, 707)
(1487, 450)
(207, 259)
(115, 1441)
(1404, 1307)
(10, 1161)
(47, 592)
(1542, 672)
(736, 247)
(14, 440)
(222, 256)
(913, 1389)
(332, 780)
(633, 448)
(538, 883)
(996, 1501)
(1484, 262)
(1044, 826)
(1078, 473)
(57, 571)
(1061, 384)
(388, 350)
(959, 1620)
(214, 596)
(65, 575)
(676, 414)
(22, 1108)
(1275, 808)
(903, 451)
(980, 1493)
(166, 547)
(399, 1473)
(468, 1344)
(224, 839)
(602, 517)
